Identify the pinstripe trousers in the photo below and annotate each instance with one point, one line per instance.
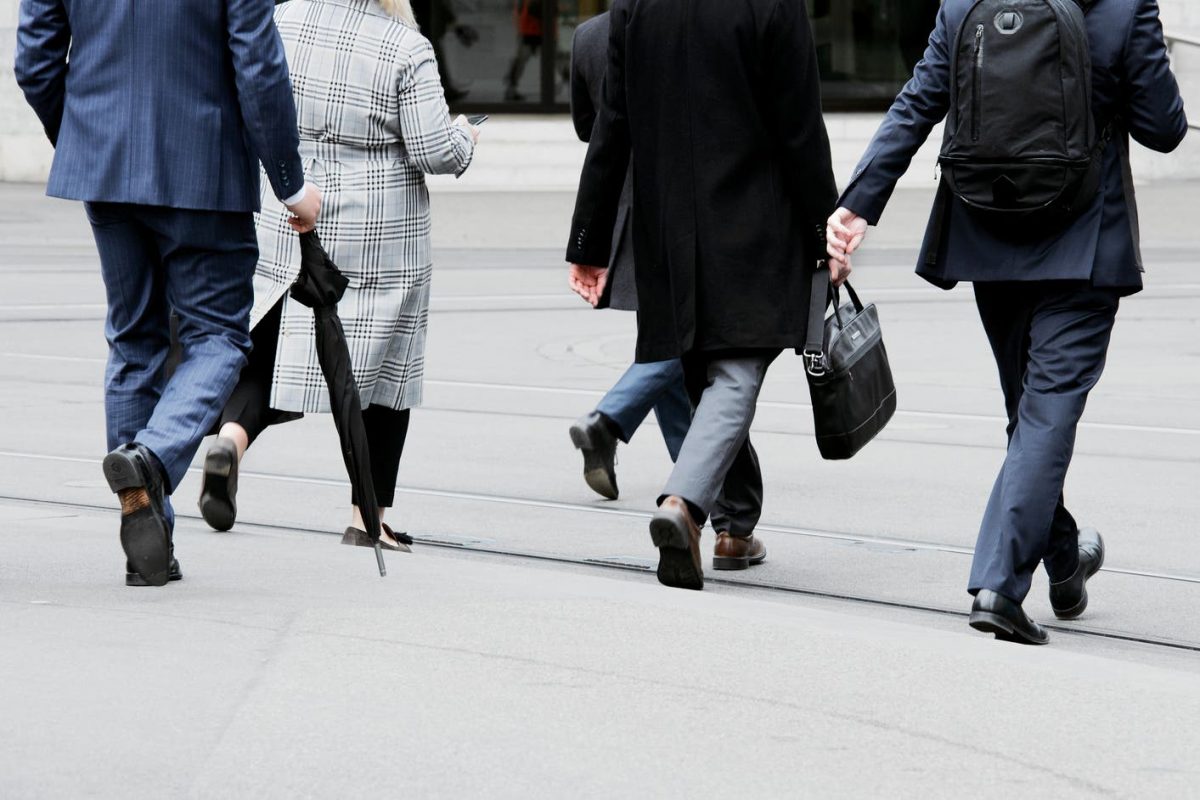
(201, 264)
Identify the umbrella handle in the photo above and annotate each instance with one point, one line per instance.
(379, 558)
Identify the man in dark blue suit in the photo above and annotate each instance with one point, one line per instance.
(1047, 301)
(159, 117)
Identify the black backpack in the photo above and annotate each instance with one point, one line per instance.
(1021, 142)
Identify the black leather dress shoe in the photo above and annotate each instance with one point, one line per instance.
(1069, 598)
(133, 475)
(218, 493)
(591, 435)
(995, 613)
(133, 579)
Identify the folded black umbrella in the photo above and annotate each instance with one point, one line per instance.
(320, 286)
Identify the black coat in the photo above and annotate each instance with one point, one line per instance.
(720, 103)
(589, 60)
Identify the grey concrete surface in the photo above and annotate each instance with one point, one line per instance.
(281, 666)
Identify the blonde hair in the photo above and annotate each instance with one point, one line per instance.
(400, 9)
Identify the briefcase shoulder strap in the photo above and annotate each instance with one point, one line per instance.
(814, 340)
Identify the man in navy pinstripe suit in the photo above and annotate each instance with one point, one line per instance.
(159, 117)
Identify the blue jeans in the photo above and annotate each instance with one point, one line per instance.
(201, 264)
(659, 386)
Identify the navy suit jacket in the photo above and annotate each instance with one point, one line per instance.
(167, 103)
(1131, 81)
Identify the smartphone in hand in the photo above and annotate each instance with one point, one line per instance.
(477, 119)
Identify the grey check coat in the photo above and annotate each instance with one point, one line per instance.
(373, 121)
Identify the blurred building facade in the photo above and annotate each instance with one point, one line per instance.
(511, 58)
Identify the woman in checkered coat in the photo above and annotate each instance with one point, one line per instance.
(373, 121)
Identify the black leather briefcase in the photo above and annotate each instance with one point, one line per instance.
(849, 377)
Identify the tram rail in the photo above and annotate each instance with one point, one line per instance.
(478, 547)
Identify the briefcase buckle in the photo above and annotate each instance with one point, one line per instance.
(814, 363)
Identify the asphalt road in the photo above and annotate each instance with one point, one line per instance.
(523, 650)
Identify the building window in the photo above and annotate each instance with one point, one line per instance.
(515, 55)
(512, 55)
(866, 49)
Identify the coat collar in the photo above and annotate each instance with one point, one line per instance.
(370, 7)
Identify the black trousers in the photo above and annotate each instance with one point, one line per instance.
(1050, 340)
(250, 407)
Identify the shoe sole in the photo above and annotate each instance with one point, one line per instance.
(595, 473)
(733, 563)
(133, 579)
(216, 506)
(1076, 611)
(143, 533)
(988, 622)
(675, 565)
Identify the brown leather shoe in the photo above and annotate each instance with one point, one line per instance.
(738, 552)
(677, 538)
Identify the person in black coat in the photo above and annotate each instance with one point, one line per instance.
(719, 105)
(658, 385)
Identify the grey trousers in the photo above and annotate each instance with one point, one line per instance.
(717, 470)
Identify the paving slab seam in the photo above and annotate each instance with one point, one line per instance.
(911, 544)
(777, 404)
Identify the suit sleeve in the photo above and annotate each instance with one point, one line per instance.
(607, 161)
(265, 93)
(921, 105)
(795, 94)
(583, 112)
(1154, 109)
(43, 40)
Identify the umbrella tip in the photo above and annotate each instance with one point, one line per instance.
(379, 558)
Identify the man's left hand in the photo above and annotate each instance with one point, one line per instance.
(588, 282)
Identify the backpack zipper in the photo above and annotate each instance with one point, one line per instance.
(977, 85)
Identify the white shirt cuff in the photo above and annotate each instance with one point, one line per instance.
(297, 197)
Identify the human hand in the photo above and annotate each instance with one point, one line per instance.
(305, 212)
(461, 121)
(588, 282)
(843, 234)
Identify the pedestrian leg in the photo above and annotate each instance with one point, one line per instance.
(719, 431)
(641, 389)
(1068, 331)
(137, 320)
(387, 431)
(674, 411)
(209, 260)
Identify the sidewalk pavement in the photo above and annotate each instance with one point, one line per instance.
(281, 666)
(284, 666)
